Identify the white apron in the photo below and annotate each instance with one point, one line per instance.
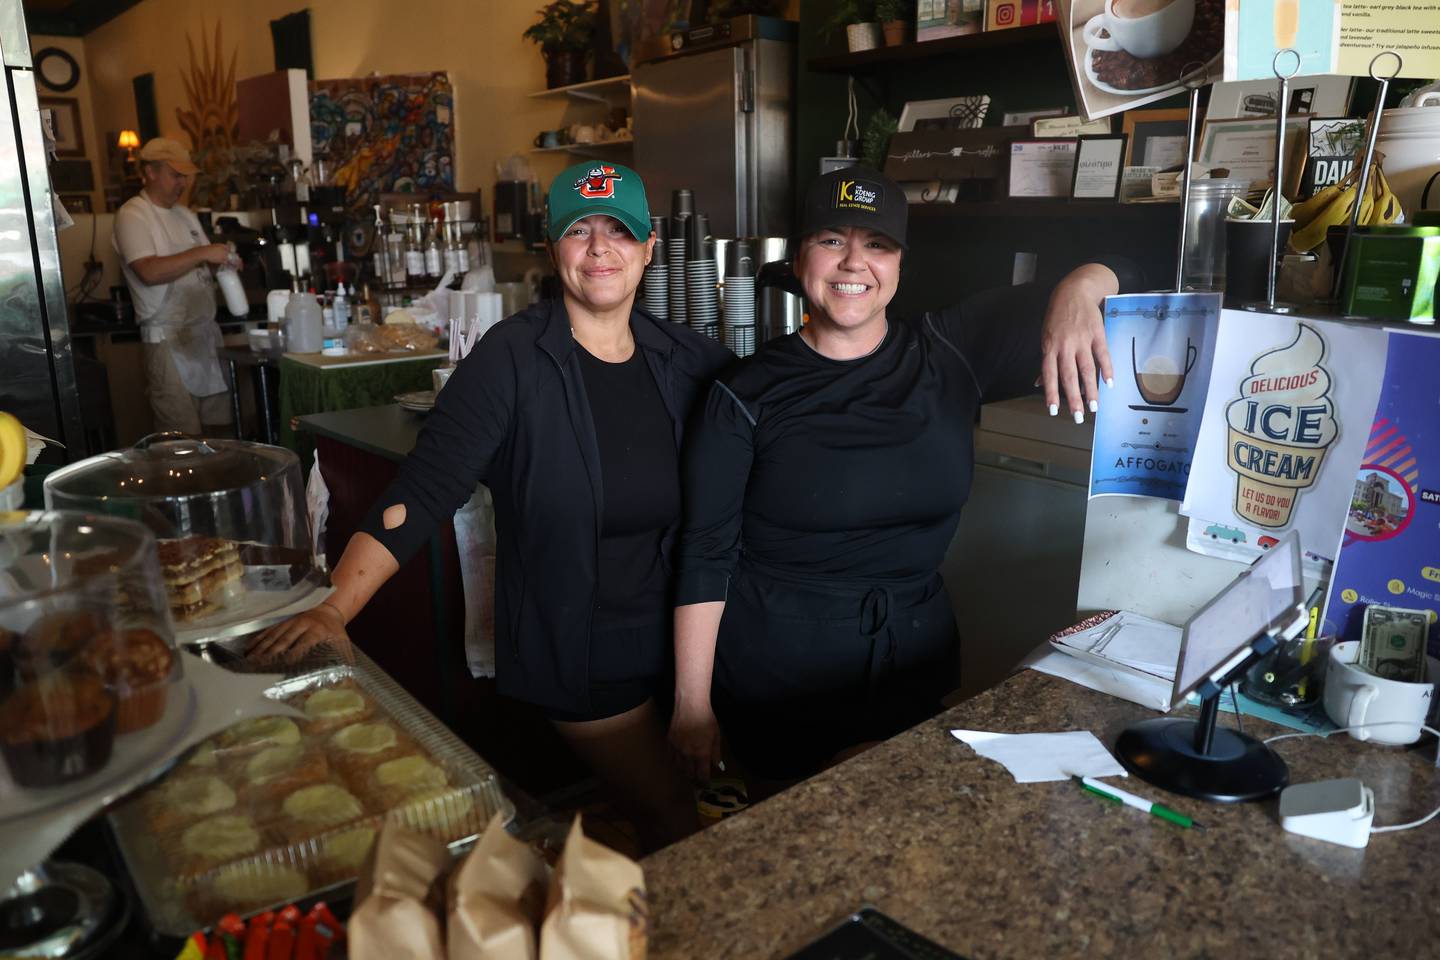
(186, 324)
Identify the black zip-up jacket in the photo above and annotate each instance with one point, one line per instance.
(515, 417)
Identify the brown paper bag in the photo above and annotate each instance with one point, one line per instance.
(398, 901)
(596, 908)
(496, 899)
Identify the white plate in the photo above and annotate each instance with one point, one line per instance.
(131, 754)
(1102, 85)
(420, 401)
(246, 610)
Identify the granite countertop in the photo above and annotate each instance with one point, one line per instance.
(948, 844)
(388, 431)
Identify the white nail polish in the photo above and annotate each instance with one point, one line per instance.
(1110, 382)
(1054, 409)
(1079, 417)
(1094, 406)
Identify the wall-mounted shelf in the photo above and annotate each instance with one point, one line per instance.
(597, 91)
(1058, 208)
(601, 148)
(880, 58)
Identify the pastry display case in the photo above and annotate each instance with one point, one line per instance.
(274, 809)
(233, 539)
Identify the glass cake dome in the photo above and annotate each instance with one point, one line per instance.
(87, 651)
(229, 517)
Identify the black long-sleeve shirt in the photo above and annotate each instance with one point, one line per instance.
(850, 472)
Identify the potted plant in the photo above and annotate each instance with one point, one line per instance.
(564, 32)
(895, 17)
(862, 30)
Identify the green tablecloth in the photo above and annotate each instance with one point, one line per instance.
(308, 389)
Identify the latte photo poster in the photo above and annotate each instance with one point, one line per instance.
(1286, 421)
(1161, 346)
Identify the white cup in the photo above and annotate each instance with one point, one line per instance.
(1355, 697)
(1149, 34)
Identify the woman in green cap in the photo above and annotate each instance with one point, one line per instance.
(571, 412)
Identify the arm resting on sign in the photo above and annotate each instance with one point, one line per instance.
(362, 570)
(156, 270)
(694, 731)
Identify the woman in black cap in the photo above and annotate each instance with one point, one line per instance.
(571, 413)
(825, 481)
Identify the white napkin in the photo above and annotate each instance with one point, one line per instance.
(1038, 757)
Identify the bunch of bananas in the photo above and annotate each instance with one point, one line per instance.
(12, 449)
(1330, 207)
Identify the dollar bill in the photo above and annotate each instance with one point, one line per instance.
(1392, 644)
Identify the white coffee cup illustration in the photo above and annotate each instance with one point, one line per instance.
(1142, 28)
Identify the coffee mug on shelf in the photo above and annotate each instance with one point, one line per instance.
(582, 133)
(1142, 28)
(549, 139)
(1387, 711)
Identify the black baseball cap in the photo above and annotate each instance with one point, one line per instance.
(855, 197)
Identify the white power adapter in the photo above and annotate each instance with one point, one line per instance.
(1336, 811)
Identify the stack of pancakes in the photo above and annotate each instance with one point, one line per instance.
(196, 571)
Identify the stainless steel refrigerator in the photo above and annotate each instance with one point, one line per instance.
(37, 370)
(712, 112)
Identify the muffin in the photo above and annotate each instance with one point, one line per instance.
(361, 747)
(246, 888)
(274, 773)
(215, 841)
(181, 801)
(251, 736)
(137, 665)
(394, 781)
(334, 707)
(57, 729)
(52, 641)
(315, 809)
(340, 855)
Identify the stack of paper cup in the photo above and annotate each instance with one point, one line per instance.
(702, 294)
(739, 299)
(675, 256)
(655, 290)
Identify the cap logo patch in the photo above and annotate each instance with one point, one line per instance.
(863, 195)
(598, 183)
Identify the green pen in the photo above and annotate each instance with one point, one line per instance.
(1139, 803)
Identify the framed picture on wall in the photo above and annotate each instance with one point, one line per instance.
(947, 113)
(1321, 96)
(1157, 137)
(65, 125)
(1097, 168)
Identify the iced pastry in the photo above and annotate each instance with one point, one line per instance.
(365, 738)
(245, 888)
(394, 780)
(260, 732)
(311, 810)
(196, 571)
(342, 853)
(335, 707)
(137, 665)
(277, 772)
(182, 801)
(217, 840)
(445, 812)
(1280, 428)
(58, 728)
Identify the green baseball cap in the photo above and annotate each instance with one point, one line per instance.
(590, 188)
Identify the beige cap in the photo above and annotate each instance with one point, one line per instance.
(163, 148)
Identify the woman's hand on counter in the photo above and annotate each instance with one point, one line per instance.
(292, 639)
(695, 734)
(1072, 341)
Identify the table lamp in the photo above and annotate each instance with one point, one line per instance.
(129, 140)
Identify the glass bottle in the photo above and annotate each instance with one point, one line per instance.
(434, 258)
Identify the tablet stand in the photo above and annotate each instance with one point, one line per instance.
(1195, 758)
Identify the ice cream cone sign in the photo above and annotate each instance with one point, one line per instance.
(1280, 428)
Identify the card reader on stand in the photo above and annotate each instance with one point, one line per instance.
(1194, 758)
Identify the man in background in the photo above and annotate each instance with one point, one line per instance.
(166, 258)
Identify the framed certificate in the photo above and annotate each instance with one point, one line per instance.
(1247, 149)
(1042, 168)
(1098, 164)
